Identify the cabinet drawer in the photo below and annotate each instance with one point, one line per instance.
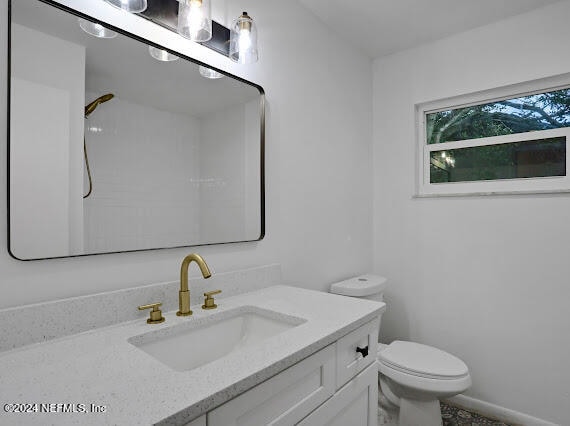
(283, 399)
(349, 361)
(355, 404)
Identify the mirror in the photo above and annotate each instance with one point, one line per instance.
(111, 150)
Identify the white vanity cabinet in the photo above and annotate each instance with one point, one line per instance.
(335, 386)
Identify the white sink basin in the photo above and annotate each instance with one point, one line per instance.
(202, 340)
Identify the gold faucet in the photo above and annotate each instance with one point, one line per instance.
(184, 293)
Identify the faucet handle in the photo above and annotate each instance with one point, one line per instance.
(209, 302)
(155, 315)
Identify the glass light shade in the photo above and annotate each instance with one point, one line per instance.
(243, 40)
(161, 55)
(133, 6)
(195, 19)
(209, 73)
(97, 30)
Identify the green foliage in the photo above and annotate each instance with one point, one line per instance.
(534, 158)
(535, 112)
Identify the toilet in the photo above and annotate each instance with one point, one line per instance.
(412, 377)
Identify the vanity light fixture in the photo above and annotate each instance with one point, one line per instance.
(133, 6)
(97, 30)
(209, 73)
(192, 19)
(161, 55)
(195, 20)
(243, 40)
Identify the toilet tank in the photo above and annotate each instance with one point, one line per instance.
(367, 286)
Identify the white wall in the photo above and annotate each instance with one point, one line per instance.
(230, 174)
(252, 152)
(42, 148)
(317, 160)
(46, 145)
(485, 278)
(222, 185)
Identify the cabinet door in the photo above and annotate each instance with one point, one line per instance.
(283, 399)
(355, 404)
(350, 361)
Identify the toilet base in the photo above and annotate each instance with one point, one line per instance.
(410, 412)
(387, 416)
(419, 413)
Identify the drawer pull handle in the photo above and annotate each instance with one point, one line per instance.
(363, 351)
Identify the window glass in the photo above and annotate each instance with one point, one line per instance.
(543, 111)
(527, 159)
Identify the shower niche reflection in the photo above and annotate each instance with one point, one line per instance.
(111, 150)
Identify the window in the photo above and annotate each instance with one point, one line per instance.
(509, 140)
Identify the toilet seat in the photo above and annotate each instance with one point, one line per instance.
(424, 368)
(422, 360)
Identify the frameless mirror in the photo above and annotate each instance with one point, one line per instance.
(112, 150)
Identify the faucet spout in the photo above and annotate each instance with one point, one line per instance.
(184, 293)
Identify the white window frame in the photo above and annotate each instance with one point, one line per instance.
(550, 184)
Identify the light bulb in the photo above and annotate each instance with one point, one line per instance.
(94, 29)
(161, 55)
(194, 20)
(243, 40)
(209, 73)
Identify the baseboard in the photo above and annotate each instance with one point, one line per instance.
(496, 412)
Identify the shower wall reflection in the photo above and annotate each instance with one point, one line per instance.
(175, 159)
(186, 179)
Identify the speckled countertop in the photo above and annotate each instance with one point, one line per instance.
(102, 368)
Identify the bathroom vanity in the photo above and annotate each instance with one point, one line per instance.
(280, 355)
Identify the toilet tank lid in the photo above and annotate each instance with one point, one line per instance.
(363, 285)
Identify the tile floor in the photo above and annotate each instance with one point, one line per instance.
(455, 416)
(450, 415)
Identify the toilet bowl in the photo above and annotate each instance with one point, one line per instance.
(412, 376)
